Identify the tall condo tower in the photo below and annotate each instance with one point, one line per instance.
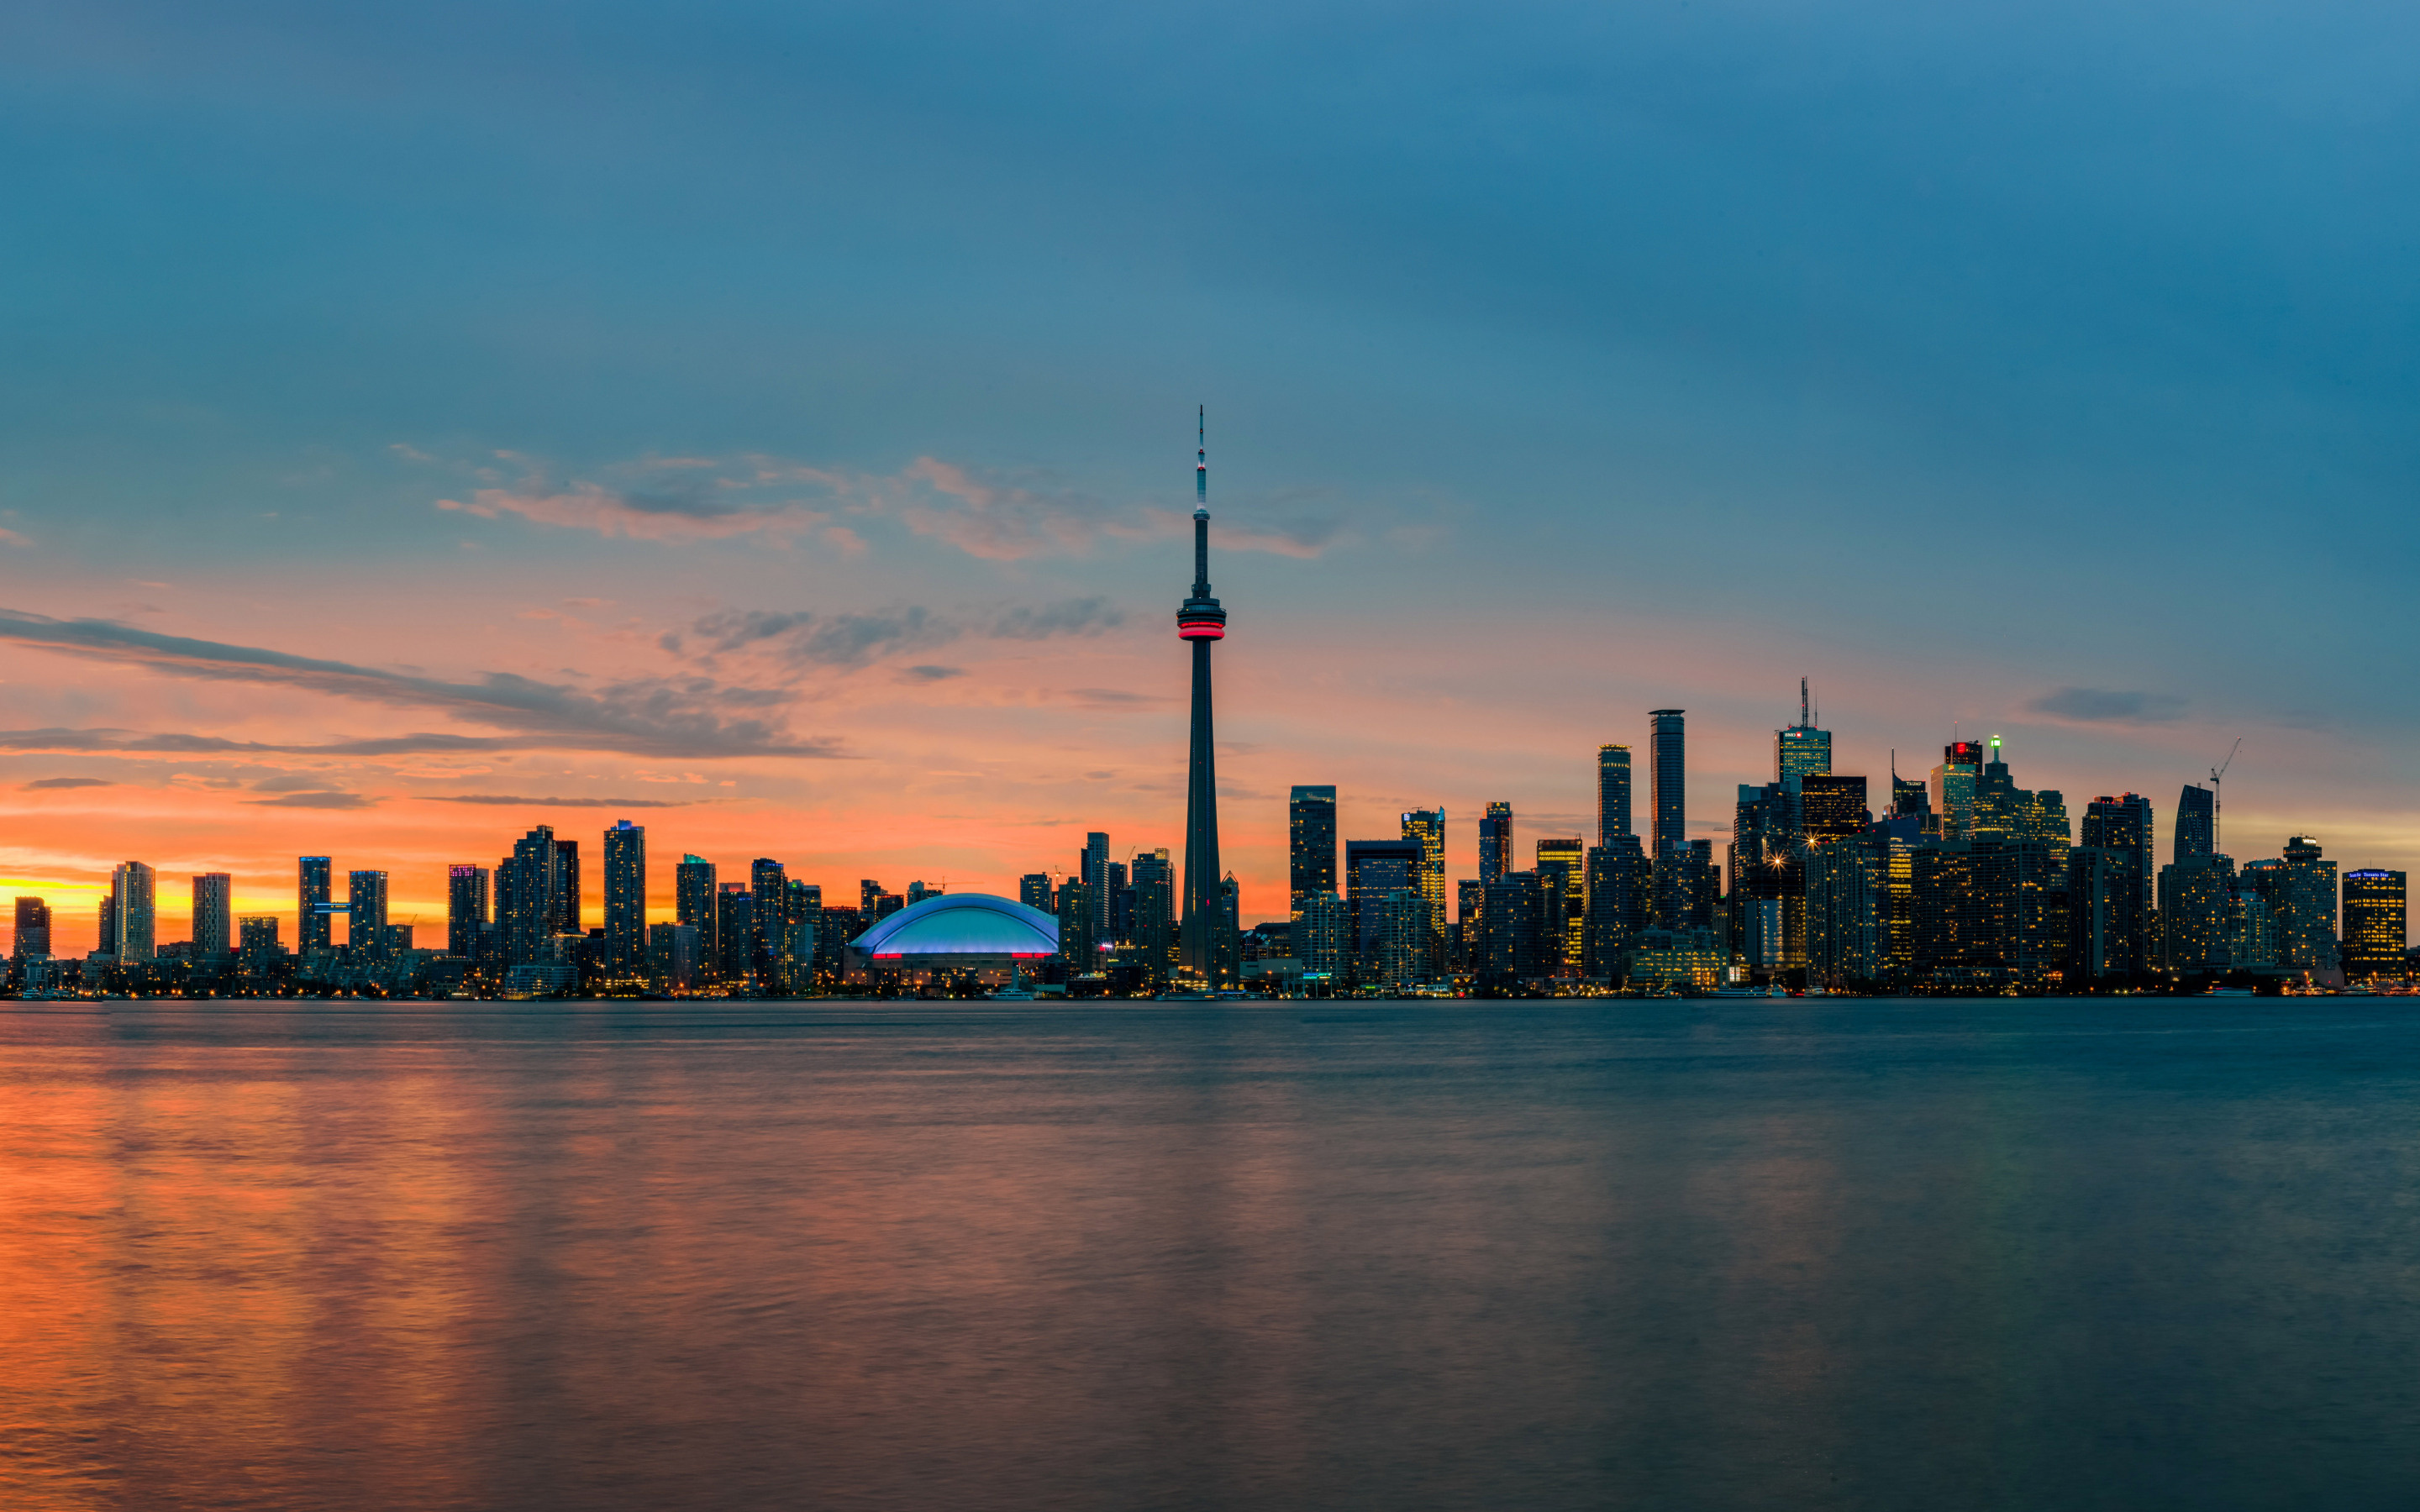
(1205, 950)
(1668, 752)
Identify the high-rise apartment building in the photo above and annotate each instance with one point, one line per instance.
(214, 916)
(1495, 842)
(2196, 823)
(2196, 895)
(2374, 924)
(1093, 866)
(313, 925)
(1034, 890)
(1612, 793)
(626, 896)
(568, 898)
(1668, 752)
(466, 909)
(365, 914)
(1426, 828)
(1320, 936)
(768, 885)
(529, 901)
(133, 912)
(735, 945)
(1620, 903)
(33, 936)
(1154, 881)
(1310, 844)
(2306, 908)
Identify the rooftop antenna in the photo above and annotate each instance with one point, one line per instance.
(1804, 723)
(2217, 799)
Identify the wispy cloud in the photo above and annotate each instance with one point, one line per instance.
(2100, 705)
(639, 516)
(979, 511)
(683, 716)
(315, 800)
(849, 641)
(58, 783)
(929, 673)
(500, 800)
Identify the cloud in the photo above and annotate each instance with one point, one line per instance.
(9, 537)
(53, 782)
(929, 673)
(508, 801)
(640, 517)
(1111, 698)
(315, 800)
(823, 641)
(2097, 705)
(851, 641)
(687, 715)
(1075, 616)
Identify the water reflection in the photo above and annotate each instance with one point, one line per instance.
(1408, 1256)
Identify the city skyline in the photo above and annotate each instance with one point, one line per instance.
(1736, 355)
(1099, 853)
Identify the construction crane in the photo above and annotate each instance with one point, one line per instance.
(2217, 795)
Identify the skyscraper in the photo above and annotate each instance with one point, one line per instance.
(1310, 844)
(2111, 893)
(1209, 947)
(1612, 793)
(132, 911)
(313, 929)
(626, 896)
(1427, 827)
(693, 905)
(1562, 904)
(1372, 870)
(1953, 787)
(466, 909)
(1034, 890)
(735, 945)
(1668, 750)
(1495, 843)
(2196, 823)
(365, 914)
(529, 901)
(1801, 749)
(2374, 924)
(256, 942)
(33, 935)
(768, 885)
(566, 884)
(1832, 807)
(213, 915)
(2306, 908)
(1093, 866)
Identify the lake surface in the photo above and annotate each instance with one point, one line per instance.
(1938, 1255)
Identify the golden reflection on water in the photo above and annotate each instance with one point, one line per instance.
(1422, 1257)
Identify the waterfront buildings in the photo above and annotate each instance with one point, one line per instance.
(1425, 827)
(1612, 793)
(1668, 749)
(312, 897)
(1495, 842)
(466, 910)
(365, 913)
(2374, 924)
(626, 896)
(213, 915)
(1310, 844)
(33, 936)
(131, 934)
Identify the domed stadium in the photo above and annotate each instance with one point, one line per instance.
(963, 934)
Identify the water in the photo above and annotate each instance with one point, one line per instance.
(1394, 1255)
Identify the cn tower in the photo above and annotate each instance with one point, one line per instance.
(1207, 947)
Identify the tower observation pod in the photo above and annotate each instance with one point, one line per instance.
(1206, 943)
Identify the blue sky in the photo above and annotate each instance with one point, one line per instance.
(1584, 357)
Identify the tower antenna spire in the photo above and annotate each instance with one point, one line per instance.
(1803, 720)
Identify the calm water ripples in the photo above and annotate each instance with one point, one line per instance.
(1394, 1255)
